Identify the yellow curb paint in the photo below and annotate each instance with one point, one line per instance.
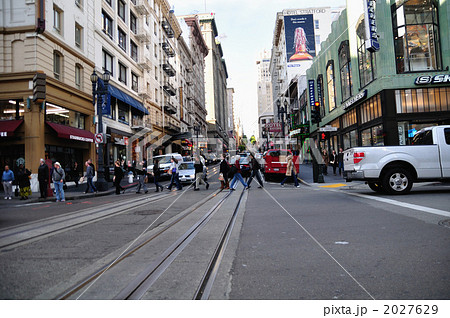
(336, 185)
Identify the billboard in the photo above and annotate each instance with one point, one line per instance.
(300, 38)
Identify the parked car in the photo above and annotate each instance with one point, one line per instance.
(186, 172)
(394, 169)
(164, 163)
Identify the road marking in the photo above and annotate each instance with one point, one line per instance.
(336, 185)
(403, 204)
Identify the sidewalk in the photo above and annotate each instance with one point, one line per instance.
(330, 180)
(72, 193)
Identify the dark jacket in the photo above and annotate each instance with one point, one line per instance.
(255, 164)
(43, 173)
(198, 167)
(238, 166)
(118, 173)
(224, 167)
(156, 171)
(90, 172)
(23, 177)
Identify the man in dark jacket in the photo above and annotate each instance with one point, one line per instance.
(141, 173)
(89, 175)
(156, 175)
(255, 171)
(43, 175)
(224, 169)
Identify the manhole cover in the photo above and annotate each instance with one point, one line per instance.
(147, 212)
(445, 223)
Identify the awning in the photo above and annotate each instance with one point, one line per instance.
(124, 97)
(72, 133)
(8, 127)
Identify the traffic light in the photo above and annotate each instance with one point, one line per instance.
(315, 113)
(324, 135)
(39, 82)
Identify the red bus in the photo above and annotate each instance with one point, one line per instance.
(275, 162)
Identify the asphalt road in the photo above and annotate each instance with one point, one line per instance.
(308, 243)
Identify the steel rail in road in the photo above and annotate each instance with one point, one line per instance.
(207, 281)
(140, 285)
(83, 283)
(93, 216)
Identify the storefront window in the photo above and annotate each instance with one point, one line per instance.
(366, 59)
(422, 100)
(371, 109)
(416, 36)
(63, 116)
(11, 109)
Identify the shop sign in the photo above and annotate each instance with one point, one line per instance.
(370, 25)
(3, 134)
(79, 138)
(312, 94)
(354, 99)
(273, 127)
(437, 79)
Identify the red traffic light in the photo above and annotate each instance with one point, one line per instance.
(317, 104)
(323, 136)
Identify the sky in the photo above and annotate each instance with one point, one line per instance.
(245, 30)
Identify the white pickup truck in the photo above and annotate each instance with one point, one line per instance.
(394, 169)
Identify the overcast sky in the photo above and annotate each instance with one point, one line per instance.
(245, 29)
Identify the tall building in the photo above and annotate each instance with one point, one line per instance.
(194, 93)
(54, 39)
(383, 93)
(296, 41)
(264, 92)
(230, 122)
(216, 86)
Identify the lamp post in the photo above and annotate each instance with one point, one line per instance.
(102, 185)
(281, 111)
(197, 130)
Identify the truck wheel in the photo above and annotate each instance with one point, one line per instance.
(397, 181)
(375, 186)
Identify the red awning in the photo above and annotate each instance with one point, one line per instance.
(72, 133)
(8, 127)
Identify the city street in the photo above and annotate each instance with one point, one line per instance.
(328, 241)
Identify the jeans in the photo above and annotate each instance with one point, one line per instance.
(59, 190)
(157, 184)
(141, 179)
(90, 184)
(7, 185)
(175, 180)
(294, 176)
(238, 176)
(255, 173)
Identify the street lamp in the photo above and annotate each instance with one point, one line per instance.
(197, 130)
(98, 91)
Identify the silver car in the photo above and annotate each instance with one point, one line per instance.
(186, 172)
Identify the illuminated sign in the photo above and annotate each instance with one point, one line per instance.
(370, 24)
(437, 79)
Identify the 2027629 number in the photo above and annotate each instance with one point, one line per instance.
(410, 309)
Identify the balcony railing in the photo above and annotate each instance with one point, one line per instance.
(169, 89)
(169, 108)
(145, 63)
(168, 49)
(167, 28)
(170, 71)
(143, 35)
(142, 7)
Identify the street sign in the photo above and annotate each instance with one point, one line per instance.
(328, 128)
(100, 138)
(125, 140)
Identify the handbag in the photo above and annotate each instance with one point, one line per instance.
(220, 176)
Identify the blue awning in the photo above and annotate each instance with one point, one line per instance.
(124, 97)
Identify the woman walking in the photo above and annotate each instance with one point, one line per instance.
(224, 169)
(23, 177)
(157, 175)
(290, 172)
(118, 176)
(198, 166)
(175, 178)
(237, 175)
(58, 177)
(334, 161)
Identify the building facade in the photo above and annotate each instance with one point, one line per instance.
(297, 38)
(216, 86)
(55, 40)
(382, 97)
